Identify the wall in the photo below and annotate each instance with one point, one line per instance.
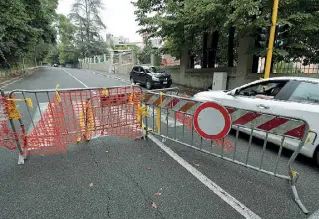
(174, 71)
(123, 68)
(196, 78)
(102, 66)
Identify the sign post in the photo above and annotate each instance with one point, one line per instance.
(271, 39)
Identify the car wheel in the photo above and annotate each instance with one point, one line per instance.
(148, 85)
(168, 86)
(132, 81)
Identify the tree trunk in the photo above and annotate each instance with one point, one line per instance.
(87, 13)
(213, 51)
(205, 37)
(231, 38)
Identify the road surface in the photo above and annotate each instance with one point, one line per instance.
(113, 177)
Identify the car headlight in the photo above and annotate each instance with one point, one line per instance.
(155, 78)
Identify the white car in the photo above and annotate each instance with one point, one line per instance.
(285, 96)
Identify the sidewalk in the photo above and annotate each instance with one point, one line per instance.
(4, 81)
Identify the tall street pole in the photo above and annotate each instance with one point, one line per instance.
(271, 38)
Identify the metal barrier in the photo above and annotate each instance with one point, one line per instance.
(177, 119)
(47, 121)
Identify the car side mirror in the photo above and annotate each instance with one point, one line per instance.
(234, 92)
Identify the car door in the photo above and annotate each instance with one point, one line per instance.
(247, 99)
(135, 71)
(142, 75)
(250, 97)
(301, 100)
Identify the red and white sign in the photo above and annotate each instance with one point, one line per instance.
(212, 121)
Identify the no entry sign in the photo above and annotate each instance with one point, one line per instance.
(212, 121)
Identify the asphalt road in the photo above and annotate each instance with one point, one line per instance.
(113, 177)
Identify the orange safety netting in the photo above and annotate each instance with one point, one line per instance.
(72, 116)
(7, 136)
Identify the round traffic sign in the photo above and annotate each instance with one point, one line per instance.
(212, 121)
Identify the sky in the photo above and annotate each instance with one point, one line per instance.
(118, 16)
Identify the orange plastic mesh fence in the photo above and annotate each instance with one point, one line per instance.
(7, 136)
(75, 115)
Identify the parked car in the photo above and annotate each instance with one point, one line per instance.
(55, 65)
(151, 77)
(285, 96)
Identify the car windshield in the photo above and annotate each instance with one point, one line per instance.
(154, 70)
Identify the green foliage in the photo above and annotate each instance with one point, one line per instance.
(67, 50)
(53, 55)
(182, 23)
(286, 68)
(26, 30)
(86, 17)
(144, 56)
(126, 47)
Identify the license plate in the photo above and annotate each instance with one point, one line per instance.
(164, 82)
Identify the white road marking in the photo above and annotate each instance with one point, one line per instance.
(234, 203)
(37, 116)
(75, 78)
(315, 215)
(230, 200)
(112, 76)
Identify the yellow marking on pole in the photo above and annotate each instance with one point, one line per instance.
(57, 93)
(13, 112)
(158, 114)
(89, 120)
(28, 100)
(105, 92)
(81, 123)
(271, 38)
(293, 173)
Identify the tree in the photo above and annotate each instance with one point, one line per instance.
(144, 56)
(25, 25)
(184, 23)
(53, 55)
(68, 52)
(85, 15)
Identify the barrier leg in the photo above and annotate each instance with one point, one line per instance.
(22, 155)
(294, 177)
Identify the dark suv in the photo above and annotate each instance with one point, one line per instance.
(150, 76)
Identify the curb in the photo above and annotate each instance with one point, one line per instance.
(15, 79)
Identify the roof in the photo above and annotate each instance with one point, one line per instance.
(307, 79)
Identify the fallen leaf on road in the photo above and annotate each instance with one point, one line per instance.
(91, 184)
(158, 194)
(196, 164)
(154, 205)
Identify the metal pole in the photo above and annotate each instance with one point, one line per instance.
(271, 39)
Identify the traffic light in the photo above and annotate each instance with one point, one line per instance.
(262, 37)
(281, 35)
